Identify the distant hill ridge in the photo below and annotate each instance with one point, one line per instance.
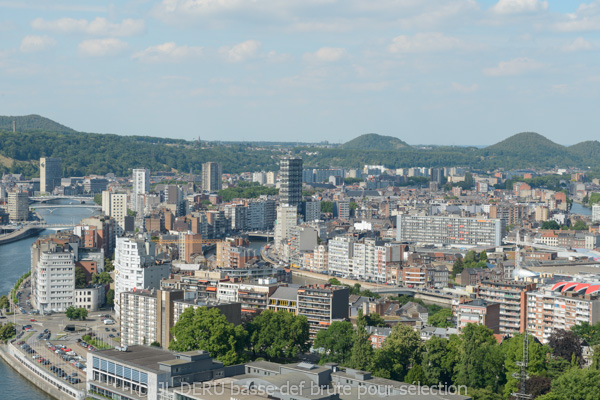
(32, 123)
(373, 141)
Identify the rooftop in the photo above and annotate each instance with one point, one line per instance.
(142, 357)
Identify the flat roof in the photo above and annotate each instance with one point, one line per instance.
(142, 357)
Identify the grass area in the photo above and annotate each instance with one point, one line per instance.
(100, 344)
(30, 334)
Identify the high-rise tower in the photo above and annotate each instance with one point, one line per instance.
(290, 189)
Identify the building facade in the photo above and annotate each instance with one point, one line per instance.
(290, 188)
(212, 177)
(50, 174)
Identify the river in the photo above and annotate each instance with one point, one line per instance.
(15, 260)
(577, 208)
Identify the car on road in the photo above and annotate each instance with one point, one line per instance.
(111, 335)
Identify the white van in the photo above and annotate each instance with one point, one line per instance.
(109, 322)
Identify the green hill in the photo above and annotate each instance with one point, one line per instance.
(32, 123)
(589, 150)
(373, 141)
(527, 149)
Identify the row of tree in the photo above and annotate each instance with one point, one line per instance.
(272, 335)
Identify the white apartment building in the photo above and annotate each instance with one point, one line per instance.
(287, 218)
(91, 298)
(596, 212)
(271, 178)
(136, 267)
(227, 292)
(18, 206)
(320, 260)
(340, 253)
(141, 186)
(54, 286)
(115, 206)
(138, 318)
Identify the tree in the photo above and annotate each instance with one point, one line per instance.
(7, 331)
(566, 345)
(580, 225)
(375, 320)
(155, 344)
(82, 313)
(513, 353)
(335, 342)
(401, 350)
(208, 329)
(103, 278)
(110, 297)
(416, 376)
(279, 335)
(481, 363)
(538, 385)
(80, 278)
(483, 256)
(587, 332)
(458, 267)
(362, 352)
(440, 358)
(108, 265)
(595, 357)
(484, 394)
(576, 384)
(327, 207)
(550, 224)
(98, 199)
(441, 319)
(335, 282)
(4, 303)
(71, 312)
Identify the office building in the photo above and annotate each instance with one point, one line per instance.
(18, 206)
(136, 267)
(322, 304)
(561, 307)
(50, 174)
(450, 230)
(141, 186)
(290, 188)
(142, 372)
(512, 297)
(212, 177)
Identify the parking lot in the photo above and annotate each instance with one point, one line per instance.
(49, 340)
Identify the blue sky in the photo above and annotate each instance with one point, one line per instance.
(426, 71)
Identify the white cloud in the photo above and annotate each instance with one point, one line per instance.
(519, 6)
(167, 52)
(325, 55)
(578, 45)
(33, 43)
(586, 18)
(465, 88)
(241, 51)
(425, 42)
(97, 27)
(518, 66)
(101, 47)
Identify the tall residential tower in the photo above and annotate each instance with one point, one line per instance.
(50, 174)
(290, 189)
(211, 177)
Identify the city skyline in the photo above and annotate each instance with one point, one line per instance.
(428, 72)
